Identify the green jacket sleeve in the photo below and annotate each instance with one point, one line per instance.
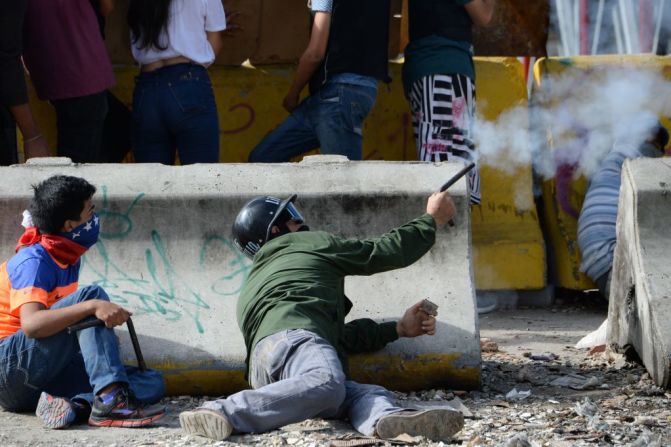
(399, 248)
(365, 335)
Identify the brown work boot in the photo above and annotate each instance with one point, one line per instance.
(208, 423)
(436, 425)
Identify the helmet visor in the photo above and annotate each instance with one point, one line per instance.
(294, 213)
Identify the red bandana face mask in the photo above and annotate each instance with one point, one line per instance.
(66, 247)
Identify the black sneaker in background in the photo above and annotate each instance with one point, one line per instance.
(122, 409)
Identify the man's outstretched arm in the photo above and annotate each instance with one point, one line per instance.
(400, 247)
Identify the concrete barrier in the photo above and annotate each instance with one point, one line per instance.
(640, 301)
(165, 252)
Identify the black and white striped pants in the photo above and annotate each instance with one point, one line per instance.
(443, 114)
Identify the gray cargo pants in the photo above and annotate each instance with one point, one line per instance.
(296, 375)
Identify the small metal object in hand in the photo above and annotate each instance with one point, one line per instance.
(430, 307)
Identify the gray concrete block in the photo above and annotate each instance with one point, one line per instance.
(166, 253)
(640, 301)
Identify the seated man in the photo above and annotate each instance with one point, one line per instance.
(598, 217)
(291, 311)
(39, 299)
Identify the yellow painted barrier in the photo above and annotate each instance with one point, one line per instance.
(509, 251)
(562, 204)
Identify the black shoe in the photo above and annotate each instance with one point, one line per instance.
(123, 410)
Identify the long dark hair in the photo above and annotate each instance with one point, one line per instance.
(147, 19)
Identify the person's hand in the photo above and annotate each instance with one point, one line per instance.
(441, 207)
(36, 147)
(416, 322)
(290, 102)
(111, 314)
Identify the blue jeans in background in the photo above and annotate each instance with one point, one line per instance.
(331, 118)
(296, 375)
(174, 108)
(65, 365)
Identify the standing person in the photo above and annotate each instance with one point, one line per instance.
(68, 377)
(292, 312)
(439, 79)
(69, 66)
(174, 41)
(13, 92)
(344, 60)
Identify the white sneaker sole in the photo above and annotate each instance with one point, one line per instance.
(436, 425)
(206, 423)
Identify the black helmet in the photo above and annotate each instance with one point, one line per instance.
(254, 223)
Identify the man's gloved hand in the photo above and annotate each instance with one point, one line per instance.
(416, 322)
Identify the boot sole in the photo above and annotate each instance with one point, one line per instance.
(436, 425)
(206, 423)
(127, 423)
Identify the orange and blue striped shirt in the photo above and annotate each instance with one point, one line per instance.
(32, 276)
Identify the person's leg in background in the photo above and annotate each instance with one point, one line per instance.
(193, 118)
(80, 123)
(116, 142)
(293, 137)
(342, 110)
(150, 135)
(443, 115)
(8, 148)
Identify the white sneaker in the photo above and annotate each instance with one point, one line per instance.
(208, 423)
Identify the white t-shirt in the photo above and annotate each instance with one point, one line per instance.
(185, 35)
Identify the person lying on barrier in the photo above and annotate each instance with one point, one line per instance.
(291, 311)
(68, 377)
(598, 218)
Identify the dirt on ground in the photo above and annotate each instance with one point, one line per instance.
(537, 390)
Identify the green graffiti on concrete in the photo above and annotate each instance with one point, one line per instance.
(154, 286)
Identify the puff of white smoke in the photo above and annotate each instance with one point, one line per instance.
(577, 116)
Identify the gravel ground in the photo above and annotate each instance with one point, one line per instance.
(537, 391)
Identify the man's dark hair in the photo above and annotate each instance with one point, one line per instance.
(57, 199)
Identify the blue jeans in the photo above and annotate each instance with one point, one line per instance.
(174, 108)
(296, 375)
(331, 118)
(66, 365)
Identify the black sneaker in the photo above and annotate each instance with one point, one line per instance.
(123, 410)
